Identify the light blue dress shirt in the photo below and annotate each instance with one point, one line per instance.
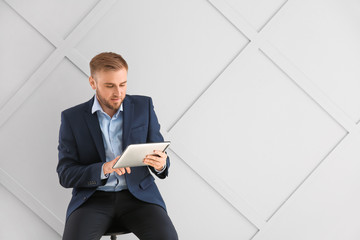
(112, 130)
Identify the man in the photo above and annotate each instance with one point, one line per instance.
(92, 137)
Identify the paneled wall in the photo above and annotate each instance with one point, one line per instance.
(260, 99)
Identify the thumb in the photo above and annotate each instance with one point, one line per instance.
(115, 159)
(113, 162)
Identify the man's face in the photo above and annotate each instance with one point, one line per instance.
(110, 89)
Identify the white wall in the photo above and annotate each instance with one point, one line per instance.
(259, 98)
(19, 222)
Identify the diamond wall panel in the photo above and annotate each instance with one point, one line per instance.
(257, 148)
(24, 217)
(38, 121)
(258, 132)
(173, 54)
(200, 202)
(257, 12)
(325, 48)
(22, 51)
(61, 16)
(321, 208)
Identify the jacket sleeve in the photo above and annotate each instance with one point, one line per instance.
(71, 171)
(154, 135)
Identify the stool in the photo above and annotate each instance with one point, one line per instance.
(113, 232)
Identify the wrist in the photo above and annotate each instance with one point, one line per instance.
(103, 174)
(160, 170)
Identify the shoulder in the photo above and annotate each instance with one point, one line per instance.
(78, 109)
(138, 99)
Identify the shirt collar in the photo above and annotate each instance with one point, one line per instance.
(97, 107)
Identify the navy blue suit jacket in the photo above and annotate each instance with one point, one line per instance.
(82, 153)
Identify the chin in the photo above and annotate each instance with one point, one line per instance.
(116, 106)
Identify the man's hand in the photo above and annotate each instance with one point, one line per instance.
(156, 160)
(107, 168)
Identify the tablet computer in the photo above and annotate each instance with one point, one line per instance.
(134, 154)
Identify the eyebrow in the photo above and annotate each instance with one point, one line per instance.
(114, 83)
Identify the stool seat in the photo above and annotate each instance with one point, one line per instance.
(115, 231)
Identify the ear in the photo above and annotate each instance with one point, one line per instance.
(92, 83)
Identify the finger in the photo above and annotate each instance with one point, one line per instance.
(128, 170)
(153, 163)
(114, 161)
(158, 165)
(149, 162)
(153, 157)
(156, 159)
(120, 171)
(160, 153)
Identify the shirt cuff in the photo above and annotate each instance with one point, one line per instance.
(103, 176)
(162, 170)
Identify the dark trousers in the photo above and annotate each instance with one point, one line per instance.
(103, 209)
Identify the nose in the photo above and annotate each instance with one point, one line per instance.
(117, 92)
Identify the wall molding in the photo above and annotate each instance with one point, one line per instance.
(31, 201)
(258, 41)
(66, 48)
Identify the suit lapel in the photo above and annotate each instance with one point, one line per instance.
(94, 128)
(128, 115)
